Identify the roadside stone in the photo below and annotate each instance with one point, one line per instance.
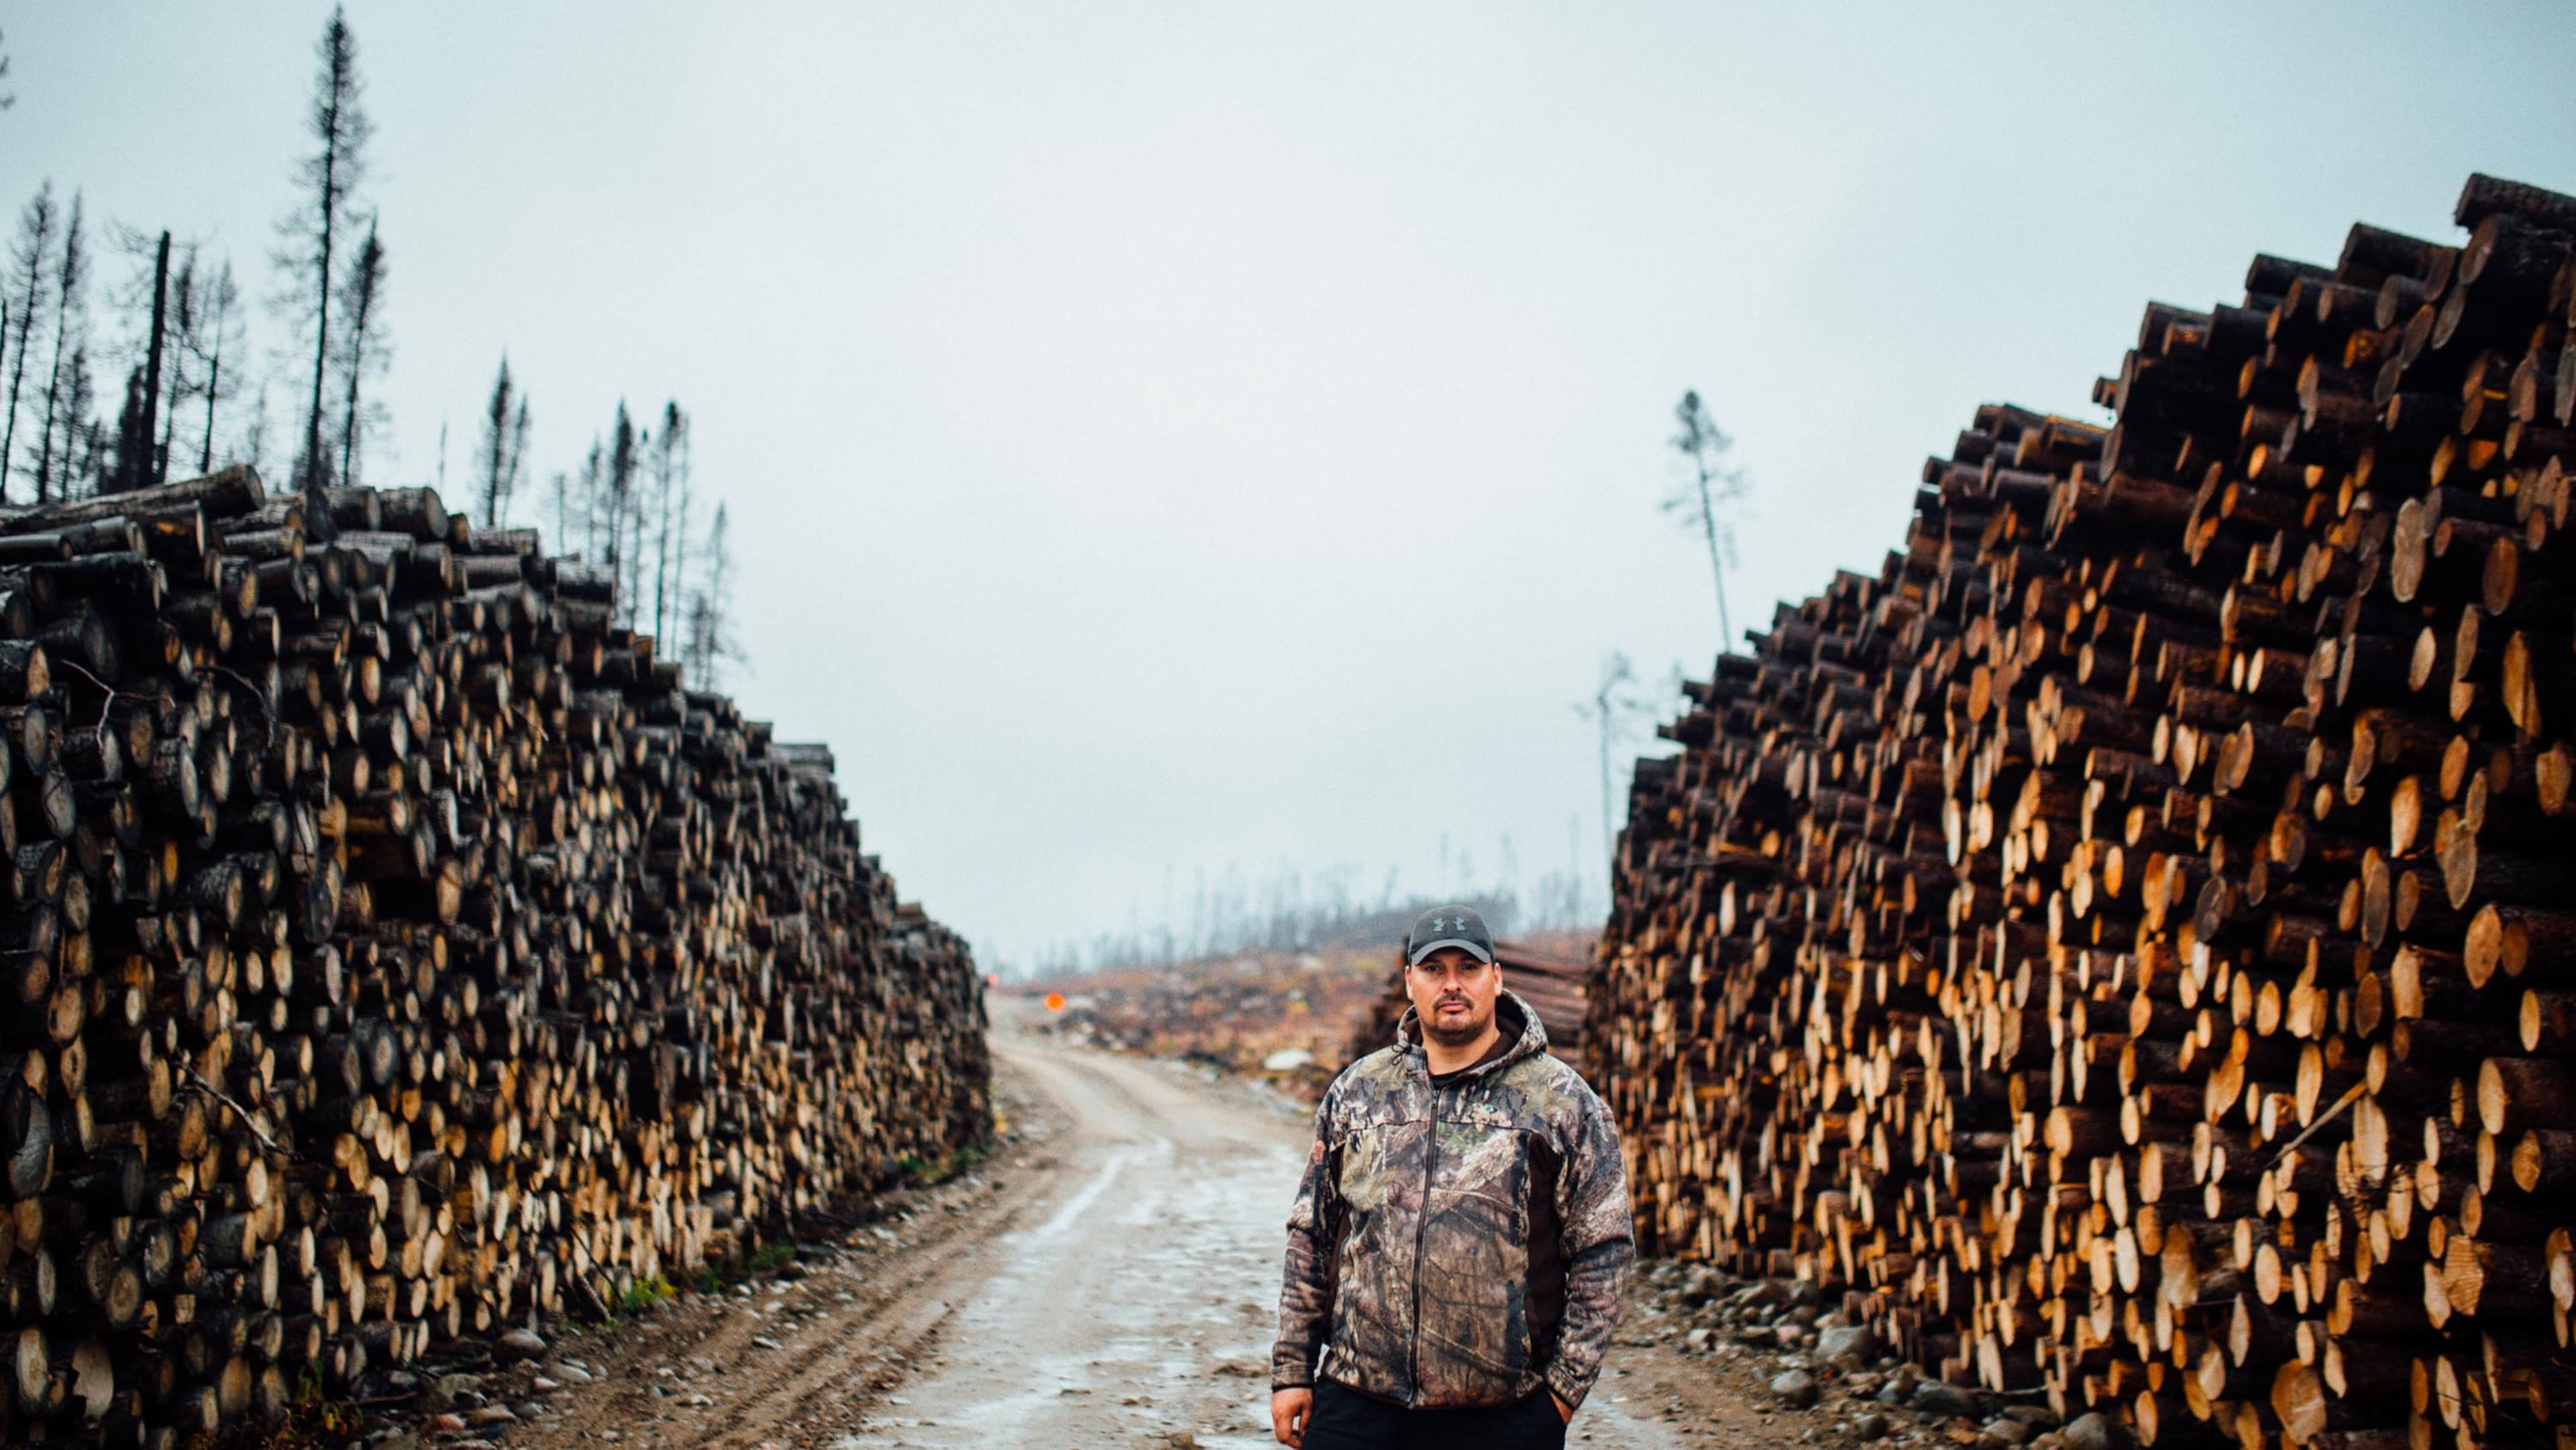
(491, 1415)
(1852, 1346)
(1869, 1426)
(518, 1344)
(2093, 1431)
(2038, 1417)
(1944, 1399)
(1763, 1291)
(2005, 1430)
(1794, 1388)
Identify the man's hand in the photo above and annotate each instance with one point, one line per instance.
(1289, 1411)
(1564, 1411)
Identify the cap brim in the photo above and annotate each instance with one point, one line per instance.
(1477, 950)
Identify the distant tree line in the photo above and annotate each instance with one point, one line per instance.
(1297, 911)
(199, 395)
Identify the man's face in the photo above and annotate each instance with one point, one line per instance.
(1454, 995)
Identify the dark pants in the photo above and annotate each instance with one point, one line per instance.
(1345, 1419)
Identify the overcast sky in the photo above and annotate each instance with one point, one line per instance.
(1165, 438)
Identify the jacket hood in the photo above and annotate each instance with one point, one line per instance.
(1510, 1013)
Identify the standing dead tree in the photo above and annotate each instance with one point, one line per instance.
(710, 643)
(210, 337)
(315, 229)
(67, 379)
(671, 514)
(30, 273)
(505, 447)
(1700, 503)
(1610, 706)
(363, 349)
(139, 453)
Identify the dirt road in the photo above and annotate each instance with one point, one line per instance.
(1109, 1280)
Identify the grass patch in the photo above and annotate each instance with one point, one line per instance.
(924, 1172)
(644, 1293)
(773, 1258)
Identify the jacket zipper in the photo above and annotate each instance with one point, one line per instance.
(1421, 1230)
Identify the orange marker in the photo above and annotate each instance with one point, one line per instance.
(1055, 1001)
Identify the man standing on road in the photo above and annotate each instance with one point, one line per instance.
(1460, 1239)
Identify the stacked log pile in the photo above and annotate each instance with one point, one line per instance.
(2128, 946)
(395, 950)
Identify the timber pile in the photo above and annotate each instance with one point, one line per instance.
(394, 951)
(2128, 947)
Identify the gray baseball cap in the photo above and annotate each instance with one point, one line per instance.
(1448, 926)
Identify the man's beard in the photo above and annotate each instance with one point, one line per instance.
(1460, 1036)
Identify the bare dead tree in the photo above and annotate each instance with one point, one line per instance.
(587, 491)
(314, 231)
(504, 448)
(212, 337)
(183, 322)
(619, 503)
(684, 520)
(1701, 502)
(670, 509)
(147, 306)
(58, 430)
(710, 625)
(364, 350)
(1606, 711)
(86, 446)
(256, 434)
(30, 273)
(562, 488)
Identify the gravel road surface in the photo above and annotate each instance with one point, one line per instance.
(1109, 1279)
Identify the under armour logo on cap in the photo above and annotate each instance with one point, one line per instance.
(1448, 926)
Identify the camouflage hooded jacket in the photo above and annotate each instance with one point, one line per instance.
(1456, 1244)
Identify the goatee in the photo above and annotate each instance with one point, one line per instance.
(1459, 1036)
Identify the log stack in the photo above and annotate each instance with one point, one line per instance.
(395, 950)
(2128, 946)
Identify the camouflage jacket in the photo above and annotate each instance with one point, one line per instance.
(1457, 1244)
